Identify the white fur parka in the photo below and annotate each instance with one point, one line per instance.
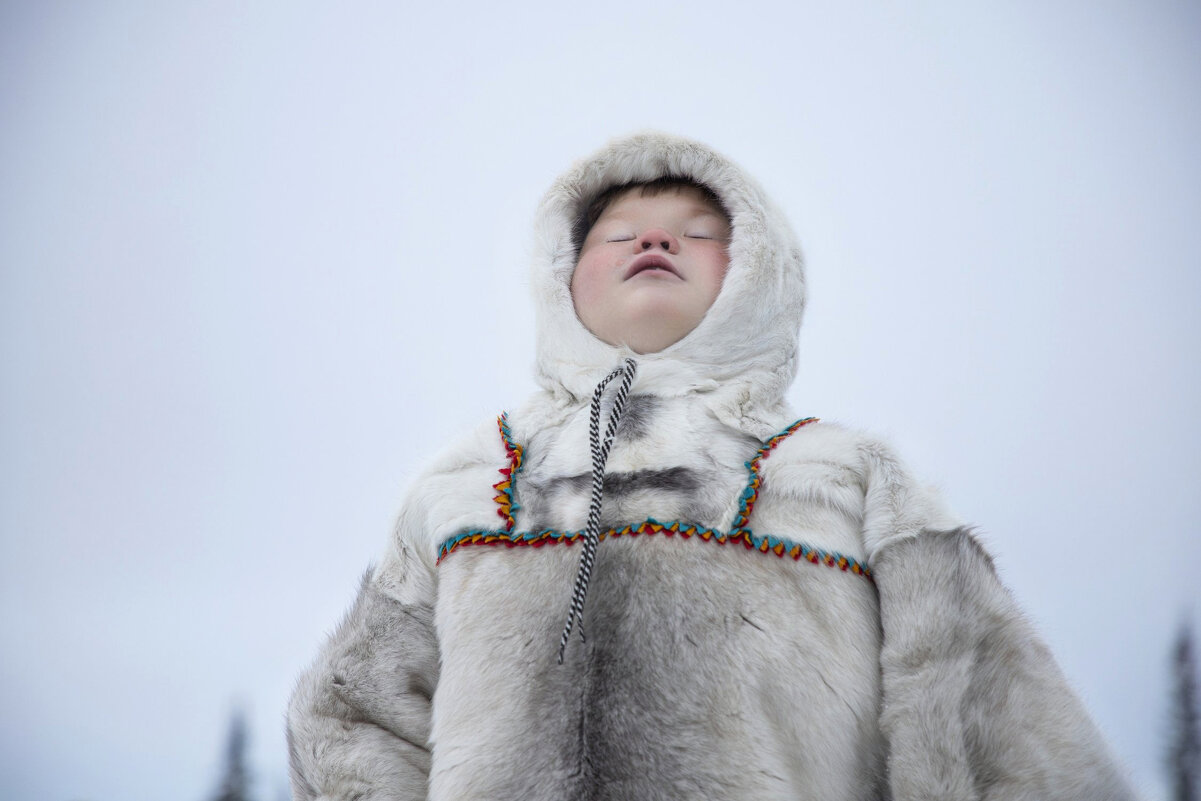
(776, 611)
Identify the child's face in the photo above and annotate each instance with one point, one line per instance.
(650, 268)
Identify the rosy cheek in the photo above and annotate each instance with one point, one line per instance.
(585, 284)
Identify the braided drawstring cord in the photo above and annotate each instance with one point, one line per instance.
(600, 454)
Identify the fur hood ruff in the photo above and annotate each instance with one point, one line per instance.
(742, 379)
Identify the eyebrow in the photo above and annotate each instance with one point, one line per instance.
(699, 209)
(705, 208)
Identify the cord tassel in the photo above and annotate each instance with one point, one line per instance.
(600, 454)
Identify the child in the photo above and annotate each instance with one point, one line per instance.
(677, 588)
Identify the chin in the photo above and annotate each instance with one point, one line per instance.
(652, 336)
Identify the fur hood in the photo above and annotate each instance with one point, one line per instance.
(742, 379)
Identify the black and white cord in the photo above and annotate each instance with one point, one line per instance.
(600, 454)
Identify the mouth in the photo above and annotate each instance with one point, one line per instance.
(651, 262)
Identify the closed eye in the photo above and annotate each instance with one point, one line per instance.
(620, 238)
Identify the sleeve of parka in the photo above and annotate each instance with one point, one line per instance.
(975, 706)
(359, 720)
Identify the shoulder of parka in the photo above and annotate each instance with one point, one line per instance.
(455, 493)
(860, 474)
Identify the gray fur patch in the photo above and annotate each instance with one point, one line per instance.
(542, 498)
(673, 479)
(635, 739)
(640, 411)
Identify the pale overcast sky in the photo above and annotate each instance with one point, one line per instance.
(261, 260)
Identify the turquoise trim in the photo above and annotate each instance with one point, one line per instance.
(769, 544)
(746, 501)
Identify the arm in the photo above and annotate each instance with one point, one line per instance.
(974, 705)
(359, 720)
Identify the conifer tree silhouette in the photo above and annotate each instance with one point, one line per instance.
(235, 780)
(1184, 754)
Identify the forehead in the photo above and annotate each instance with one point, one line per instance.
(676, 199)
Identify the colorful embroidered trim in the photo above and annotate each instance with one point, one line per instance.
(746, 503)
(773, 545)
(506, 507)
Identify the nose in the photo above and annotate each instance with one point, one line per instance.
(658, 238)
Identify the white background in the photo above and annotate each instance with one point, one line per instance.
(260, 260)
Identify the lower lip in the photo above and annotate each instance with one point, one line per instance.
(655, 271)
